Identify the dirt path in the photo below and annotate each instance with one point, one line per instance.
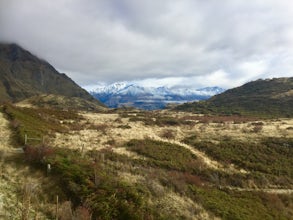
(207, 160)
(94, 139)
(273, 191)
(13, 177)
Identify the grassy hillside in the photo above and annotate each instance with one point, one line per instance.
(61, 103)
(23, 75)
(272, 97)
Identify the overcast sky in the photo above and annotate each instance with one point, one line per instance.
(193, 43)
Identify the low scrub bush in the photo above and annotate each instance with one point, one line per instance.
(270, 155)
(124, 126)
(257, 128)
(165, 155)
(239, 205)
(168, 134)
(100, 127)
(37, 154)
(37, 122)
(111, 198)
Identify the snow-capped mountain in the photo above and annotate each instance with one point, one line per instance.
(130, 94)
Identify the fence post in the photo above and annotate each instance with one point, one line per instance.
(48, 168)
(25, 139)
(57, 204)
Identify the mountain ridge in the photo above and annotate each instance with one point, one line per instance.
(134, 95)
(24, 75)
(263, 97)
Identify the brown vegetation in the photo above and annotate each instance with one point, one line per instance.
(133, 165)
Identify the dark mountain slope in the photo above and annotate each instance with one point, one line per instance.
(270, 97)
(23, 75)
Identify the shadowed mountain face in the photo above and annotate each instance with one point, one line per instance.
(270, 97)
(23, 75)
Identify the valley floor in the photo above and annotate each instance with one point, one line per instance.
(158, 165)
(113, 131)
(102, 131)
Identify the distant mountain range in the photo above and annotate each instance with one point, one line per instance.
(269, 97)
(150, 98)
(23, 75)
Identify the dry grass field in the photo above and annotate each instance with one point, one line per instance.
(112, 131)
(102, 131)
(162, 164)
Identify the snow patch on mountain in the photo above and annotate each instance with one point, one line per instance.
(108, 89)
(131, 94)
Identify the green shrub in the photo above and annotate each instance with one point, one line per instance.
(233, 205)
(165, 155)
(37, 122)
(270, 155)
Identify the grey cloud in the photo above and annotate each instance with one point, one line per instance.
(232, 41)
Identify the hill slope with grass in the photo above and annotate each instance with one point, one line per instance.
(61, 103)
(23, 75)
(270, 97)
